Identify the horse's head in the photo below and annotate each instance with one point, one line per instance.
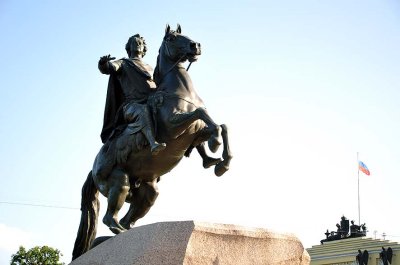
(179, 48)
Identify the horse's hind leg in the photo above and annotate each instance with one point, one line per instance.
(118, 190)
(142, 200)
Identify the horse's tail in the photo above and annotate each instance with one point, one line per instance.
(90, 212)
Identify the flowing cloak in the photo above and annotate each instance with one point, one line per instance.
(115, 99)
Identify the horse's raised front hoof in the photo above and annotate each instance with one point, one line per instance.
(220, 169)
(210, 161)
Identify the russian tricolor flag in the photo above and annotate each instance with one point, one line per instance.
(363, 168)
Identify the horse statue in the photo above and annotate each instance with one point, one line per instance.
(125, 170)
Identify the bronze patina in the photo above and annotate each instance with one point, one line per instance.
(148, 127)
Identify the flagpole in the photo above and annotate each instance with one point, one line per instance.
(358, 187)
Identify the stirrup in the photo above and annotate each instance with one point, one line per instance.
(157, 147)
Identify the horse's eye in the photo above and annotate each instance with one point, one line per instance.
(171, 38)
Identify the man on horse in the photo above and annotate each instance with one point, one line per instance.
(125, 172)
(131, 82)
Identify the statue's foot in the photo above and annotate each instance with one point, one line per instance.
(113, 225)
(210, 161)
(157, 147)
(220, 169)
(215, 140)
(116, 230)
(126, 225)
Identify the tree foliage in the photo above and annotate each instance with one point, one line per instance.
(36, 256)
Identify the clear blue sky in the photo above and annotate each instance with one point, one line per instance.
(303, 86)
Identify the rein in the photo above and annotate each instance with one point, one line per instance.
(181, 98)
(187, 69)
(175, 64)
(166, 95)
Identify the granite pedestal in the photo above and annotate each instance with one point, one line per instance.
(195, 243)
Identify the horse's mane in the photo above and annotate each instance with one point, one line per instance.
(156, 74)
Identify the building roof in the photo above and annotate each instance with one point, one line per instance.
(349, 248)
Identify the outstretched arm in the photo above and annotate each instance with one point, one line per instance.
(105, 66)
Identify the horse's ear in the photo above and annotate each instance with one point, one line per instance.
(167, 29)
(178, 29)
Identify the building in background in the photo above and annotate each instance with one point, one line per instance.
(348, 245)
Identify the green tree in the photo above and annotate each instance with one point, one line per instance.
(36, 256)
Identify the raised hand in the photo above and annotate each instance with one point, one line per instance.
(105, 59)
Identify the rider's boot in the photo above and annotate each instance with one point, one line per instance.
(148, 132)
(154, 145)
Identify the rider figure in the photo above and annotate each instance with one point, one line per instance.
(130, 84)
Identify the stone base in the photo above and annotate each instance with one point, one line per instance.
(194, 243)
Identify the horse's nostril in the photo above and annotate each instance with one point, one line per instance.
(193, 45)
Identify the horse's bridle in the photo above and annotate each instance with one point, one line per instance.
(176, 63)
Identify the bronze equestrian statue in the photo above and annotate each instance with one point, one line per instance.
(129, 87)
(130, 163)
